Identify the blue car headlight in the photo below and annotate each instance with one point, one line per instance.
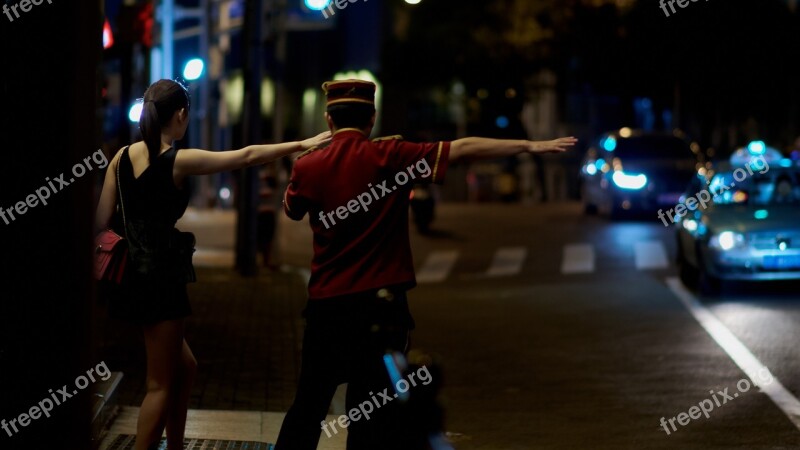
(727, 240)
(629, 181)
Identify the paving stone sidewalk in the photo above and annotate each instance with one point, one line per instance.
(246, 334)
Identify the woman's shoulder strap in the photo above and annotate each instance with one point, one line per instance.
(122, 153)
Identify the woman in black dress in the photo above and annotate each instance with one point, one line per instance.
(151, 178)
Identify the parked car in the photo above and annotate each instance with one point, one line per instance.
(636, 171)
(751, 228)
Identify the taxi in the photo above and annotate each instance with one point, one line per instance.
(751, 228)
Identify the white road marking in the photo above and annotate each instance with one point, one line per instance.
(650, 255)
(578, 258)
(741, 355)
(437, 266)
(507, 261)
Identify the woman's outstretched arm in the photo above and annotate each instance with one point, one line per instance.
(201, 162)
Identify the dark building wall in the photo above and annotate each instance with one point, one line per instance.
(47, 125)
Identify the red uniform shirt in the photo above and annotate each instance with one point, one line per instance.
(356, 193)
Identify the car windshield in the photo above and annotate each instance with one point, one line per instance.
(781, 188)
(652, 147)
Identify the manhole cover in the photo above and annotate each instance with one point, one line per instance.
(125, 442)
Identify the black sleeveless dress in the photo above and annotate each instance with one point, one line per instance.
(153, 205)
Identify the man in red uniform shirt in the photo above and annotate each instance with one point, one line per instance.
(356, 193)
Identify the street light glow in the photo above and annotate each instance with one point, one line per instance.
(317, 5)
(413, 2)
(193, 69)
(135, 112)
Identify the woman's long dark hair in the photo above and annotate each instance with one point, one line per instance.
(161, 100)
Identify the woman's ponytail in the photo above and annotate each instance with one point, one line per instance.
(161, 101)
(150, 126)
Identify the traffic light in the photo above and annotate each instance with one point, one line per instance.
(145, 21)
(135, 25)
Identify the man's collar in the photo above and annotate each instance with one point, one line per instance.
(349, 131)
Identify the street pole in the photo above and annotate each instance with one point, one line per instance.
(279, 8)
(167, 38)
(204, 112)
(248, 179)
(280, 69)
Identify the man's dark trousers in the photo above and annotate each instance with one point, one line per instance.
(345, 341)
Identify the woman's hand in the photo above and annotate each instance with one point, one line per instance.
(316, 141)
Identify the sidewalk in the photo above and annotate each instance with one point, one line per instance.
(203, 427)
(246, 334)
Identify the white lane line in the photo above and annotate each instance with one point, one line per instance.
(650, 255)
(740, 354)
(507, 261)
(578, 258)
(437, 266)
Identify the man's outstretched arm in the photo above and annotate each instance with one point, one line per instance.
(473, 148)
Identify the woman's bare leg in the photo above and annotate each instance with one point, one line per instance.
(176, 420)
(163, 342)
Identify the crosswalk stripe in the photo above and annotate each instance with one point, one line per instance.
(578, 258)
(437, 266)
(650, 255)
(507, 261)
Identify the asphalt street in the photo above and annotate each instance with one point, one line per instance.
(558, 331)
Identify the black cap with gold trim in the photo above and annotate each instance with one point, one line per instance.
(342, 92)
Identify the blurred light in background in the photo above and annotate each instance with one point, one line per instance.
(193, 69)
(312, 112)
(757, 147)
(108, 36)
(610, 143)
(601, 164)
(267, 97)
(233, 93)
(225, 193)
(502, 122)
(135, 112)
(317, 5)
(413, 2)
